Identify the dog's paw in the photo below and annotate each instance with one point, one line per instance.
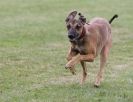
(74, 73)
(72, 70)
(97, 84)
(68, 66)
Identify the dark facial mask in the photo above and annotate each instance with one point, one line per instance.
(72, 33)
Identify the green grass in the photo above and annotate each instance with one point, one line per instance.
(33, 46)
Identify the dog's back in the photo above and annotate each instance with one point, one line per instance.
(100, 30)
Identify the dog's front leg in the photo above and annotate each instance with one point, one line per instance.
(73, 61)
(70, 55)
(76, 59)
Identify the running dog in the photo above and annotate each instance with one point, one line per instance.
(88, 40)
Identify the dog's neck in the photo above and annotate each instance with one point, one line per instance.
(82, 33)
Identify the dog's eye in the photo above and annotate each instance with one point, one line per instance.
(68, 26)
(77, 26)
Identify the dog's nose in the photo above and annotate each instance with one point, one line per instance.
(70, 36)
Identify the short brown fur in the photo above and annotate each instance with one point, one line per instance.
(97, 40)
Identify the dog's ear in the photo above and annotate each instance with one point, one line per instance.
(71, 16)
(82, 18)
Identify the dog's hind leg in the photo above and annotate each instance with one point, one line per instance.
(83, 64)
(103, 58)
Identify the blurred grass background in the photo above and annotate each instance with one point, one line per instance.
(33, 47)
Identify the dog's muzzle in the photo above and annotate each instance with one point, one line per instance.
(72, 34)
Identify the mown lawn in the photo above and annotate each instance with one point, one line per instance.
(33, 46)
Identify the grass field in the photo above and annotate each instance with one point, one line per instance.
(33, 47)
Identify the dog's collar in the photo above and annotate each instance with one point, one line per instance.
(82, 34)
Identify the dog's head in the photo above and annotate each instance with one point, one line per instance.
(74, 26)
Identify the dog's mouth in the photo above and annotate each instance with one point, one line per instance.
(74, 39)
(71, 40)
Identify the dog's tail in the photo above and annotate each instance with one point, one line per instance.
(115, 16)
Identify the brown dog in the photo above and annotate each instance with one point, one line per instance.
(87, 41)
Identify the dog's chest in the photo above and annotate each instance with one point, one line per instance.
(80, 47)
